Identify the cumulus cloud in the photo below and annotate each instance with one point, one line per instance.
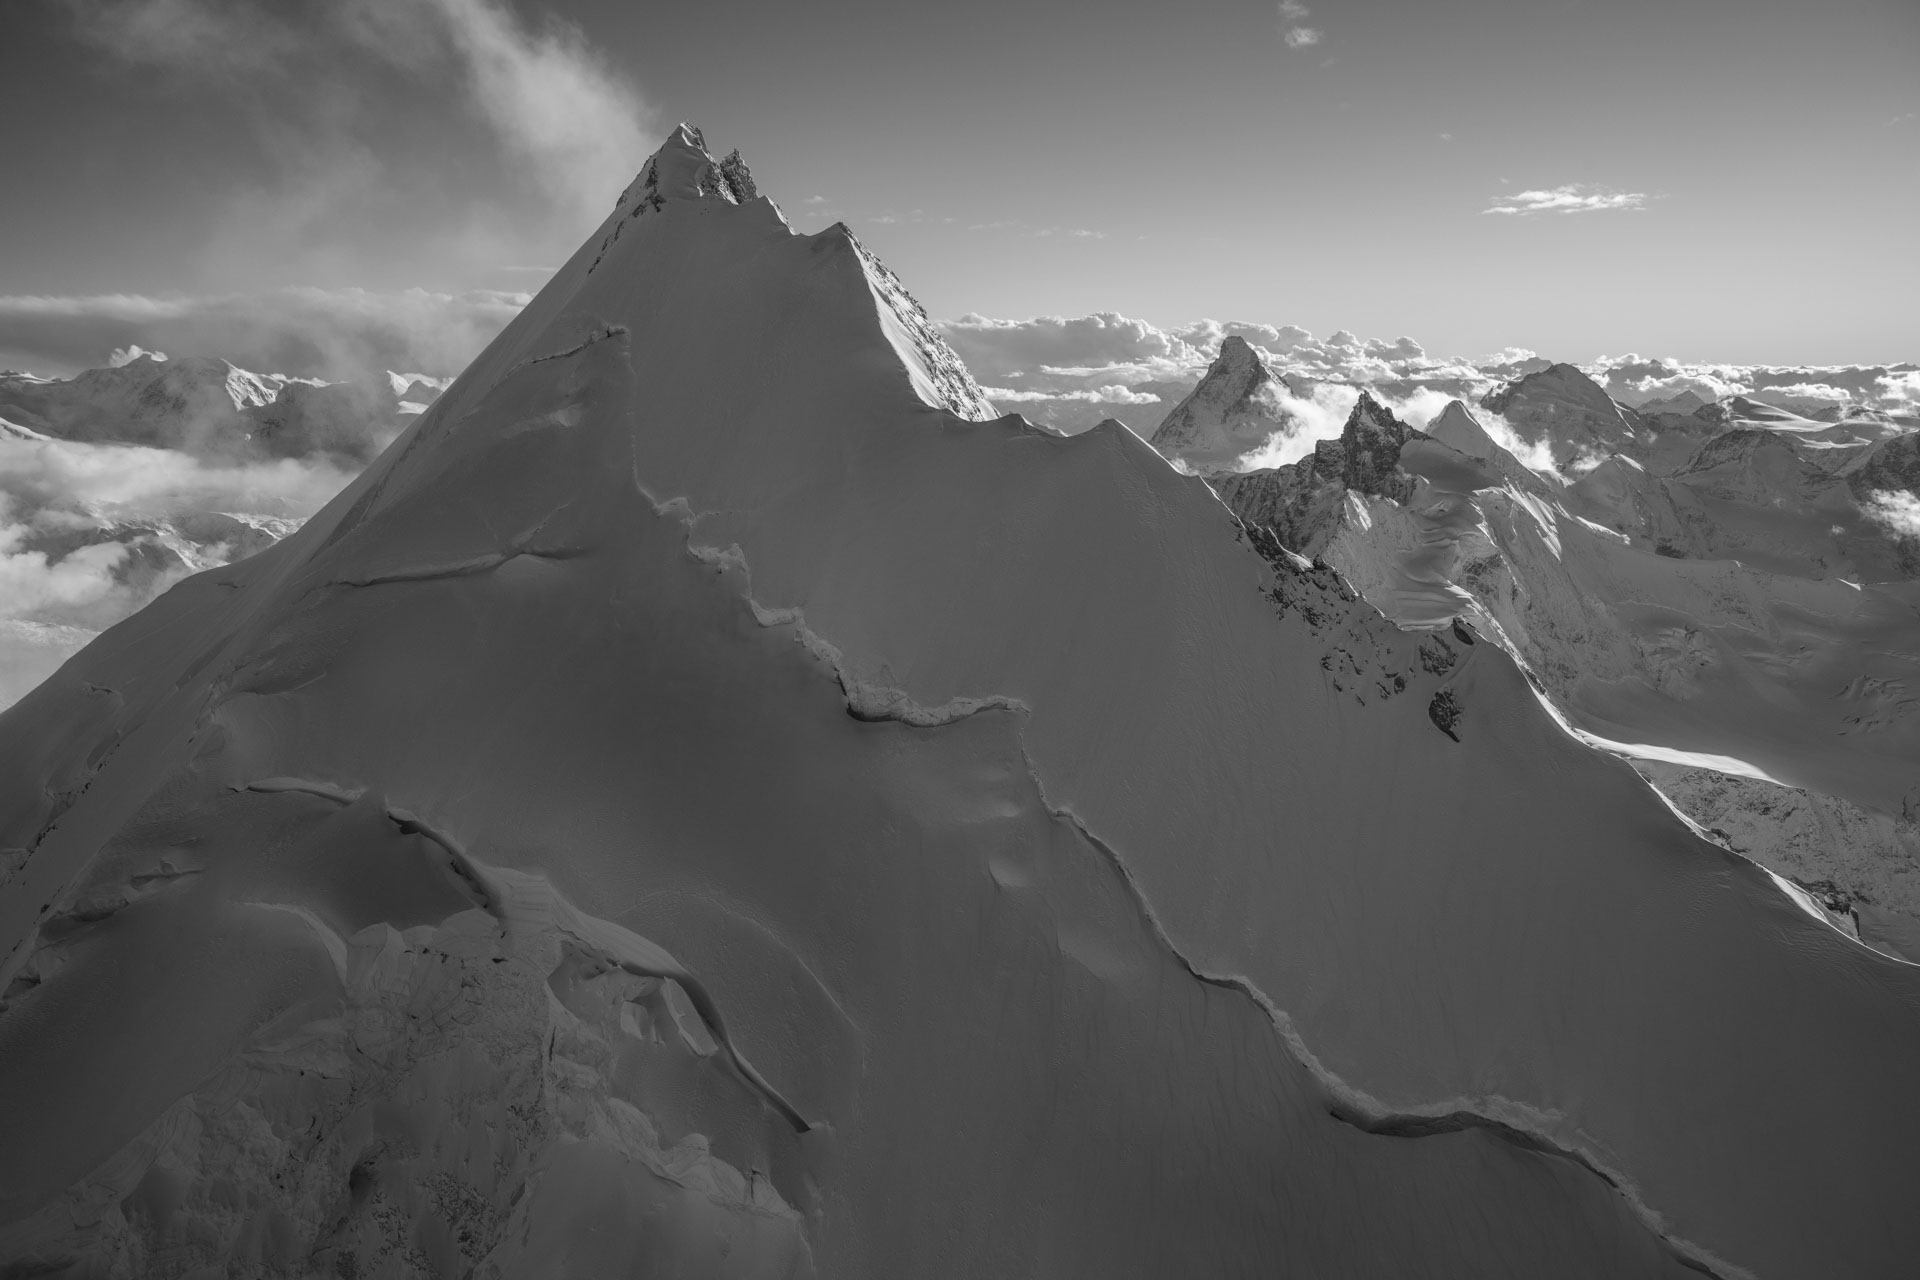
(309, 332)
(89, 533)
(1635, 392)
(1111, 394)
(1804, 395)
(1634, 379)
(1535, 455)
(1573, 198)
(993, 348)
(1896, 511)
(1420, 406)
(1319, 415)
(1294, 31)
(1898, 391)
(1064, 365)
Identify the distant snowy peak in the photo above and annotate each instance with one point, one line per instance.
(1686, 401)
(212, 407)
(153, 381)
(1568, 412)
(1233, 411)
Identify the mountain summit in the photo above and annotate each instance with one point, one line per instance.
(1563, 409)
(712, 799)
(1233, 411)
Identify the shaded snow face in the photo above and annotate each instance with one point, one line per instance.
(750, 818)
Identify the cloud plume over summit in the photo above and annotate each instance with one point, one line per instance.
(451, 131)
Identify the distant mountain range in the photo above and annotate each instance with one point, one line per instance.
(1728, 594)
(120, 481)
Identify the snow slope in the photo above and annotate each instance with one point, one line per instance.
(708, 801)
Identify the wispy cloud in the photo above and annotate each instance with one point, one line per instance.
(1573, 198)
(320, 84)
(1293, 17)
(1896, 511)
(1112, 393)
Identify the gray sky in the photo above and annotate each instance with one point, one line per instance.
(1730, 180)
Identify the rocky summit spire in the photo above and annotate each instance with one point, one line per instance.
(682, 169)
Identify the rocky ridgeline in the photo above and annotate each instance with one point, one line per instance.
(1301, 501)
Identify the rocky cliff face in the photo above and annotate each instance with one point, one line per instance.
(1302, 501)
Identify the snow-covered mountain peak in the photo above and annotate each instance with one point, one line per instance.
(1238, 354)
(1564, 409)
(683, 169)
(680, 663)
(714, 220)
(151, 380)
(1233, 411)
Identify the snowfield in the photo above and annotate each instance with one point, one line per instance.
(712, 799)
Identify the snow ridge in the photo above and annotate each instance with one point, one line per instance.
(867, 700)
(1515, 1121)
(950, 387)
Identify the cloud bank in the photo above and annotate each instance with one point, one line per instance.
(1065, 372)
(89, 533)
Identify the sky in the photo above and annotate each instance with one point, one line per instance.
(340, 180)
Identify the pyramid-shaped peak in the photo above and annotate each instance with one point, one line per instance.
(1231, 412)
